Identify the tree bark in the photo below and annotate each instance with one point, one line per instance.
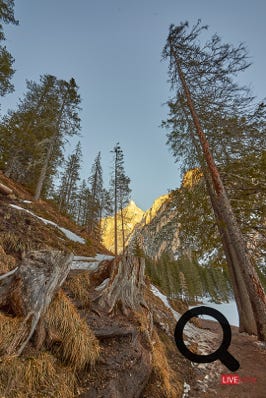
(244, 266)
(30, 289)
(246, 317)
(125, 287)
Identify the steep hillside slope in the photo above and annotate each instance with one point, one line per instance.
(26, 224)
(79, 350)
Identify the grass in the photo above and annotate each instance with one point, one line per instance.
(37, 376)
(7, 263)
(163, 382)
(78, 285)
(76, 344)
(160, 365)
(8, 330)
(13, 243)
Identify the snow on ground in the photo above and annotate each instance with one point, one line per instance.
(186, 390)
(164, 299)
(70, 235)
(191, 332)
(205, 341)
(229, 310)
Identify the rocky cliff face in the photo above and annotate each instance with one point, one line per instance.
(155, 231)
(158, 230)
(132, 215)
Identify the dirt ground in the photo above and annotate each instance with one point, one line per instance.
(251, 355)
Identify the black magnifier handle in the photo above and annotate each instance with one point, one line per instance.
(229, 361)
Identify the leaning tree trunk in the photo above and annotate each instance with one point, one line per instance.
(125, 287)
(29, 290)
(244, 266)
(246, 317)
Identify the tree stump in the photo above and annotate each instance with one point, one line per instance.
(29, 291)
(125, 287)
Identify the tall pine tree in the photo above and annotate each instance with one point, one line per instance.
(121, 193)
(67, 192)
(6, 60)
(203, 77)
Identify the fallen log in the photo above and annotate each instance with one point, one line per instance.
(29, 291)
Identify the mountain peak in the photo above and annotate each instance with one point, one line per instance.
(131, 203)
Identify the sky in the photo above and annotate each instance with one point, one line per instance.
(113, 50)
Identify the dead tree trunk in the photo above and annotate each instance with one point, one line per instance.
(125, 287)
(30, 289)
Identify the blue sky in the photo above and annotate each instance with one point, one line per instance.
(113, 50)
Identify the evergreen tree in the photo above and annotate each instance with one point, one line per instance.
(95, 205)
(26, 131)
(121, 193)
(32, 137)
(66, 122)
(6, 60)
(83, 198)
(68, 186)
(206, 73)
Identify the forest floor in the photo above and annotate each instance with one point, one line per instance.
(251, 355)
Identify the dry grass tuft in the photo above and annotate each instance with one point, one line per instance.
(160, 364)
(78, 285)
(77, 346)
(12, 243)
(37, 376)
(8, 329)
(163, 381)
(7, 263)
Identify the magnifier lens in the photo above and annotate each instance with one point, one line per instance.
(209, 327)
(221, 353)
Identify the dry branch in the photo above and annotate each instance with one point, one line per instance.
(5, 190)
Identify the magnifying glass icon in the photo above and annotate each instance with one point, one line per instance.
(221, 353)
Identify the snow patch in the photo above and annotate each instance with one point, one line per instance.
(186, 390)
(164, 299)
(70, 235)
(207, 257)
(26, 201)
